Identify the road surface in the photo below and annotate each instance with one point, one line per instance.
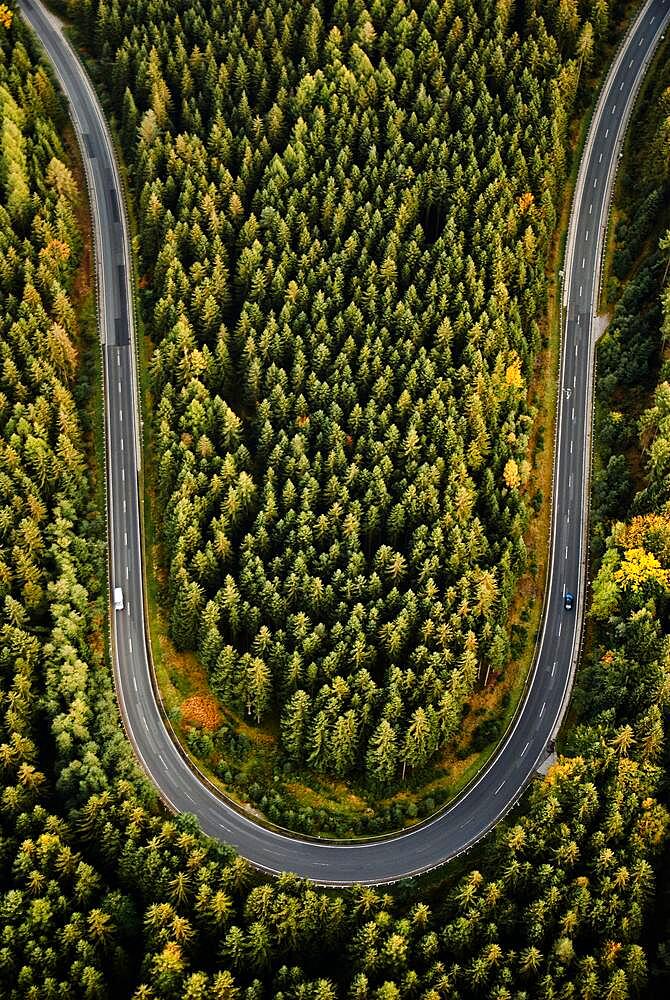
(528, 741)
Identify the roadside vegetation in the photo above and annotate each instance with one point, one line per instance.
(631, 510)
(631, 356)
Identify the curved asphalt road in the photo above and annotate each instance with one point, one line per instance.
(526, 744)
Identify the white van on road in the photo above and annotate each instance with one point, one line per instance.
(118, 599)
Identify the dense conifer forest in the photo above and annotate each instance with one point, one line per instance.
(344, 215)
(104, 896)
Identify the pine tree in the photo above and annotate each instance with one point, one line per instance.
(382, 754)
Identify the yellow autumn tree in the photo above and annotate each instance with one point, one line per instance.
(650, 531)
(511, 474)
(565, 769)
(639, 567)
(513, 375)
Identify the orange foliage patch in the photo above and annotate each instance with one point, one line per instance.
(201, 710)
(525, 202)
